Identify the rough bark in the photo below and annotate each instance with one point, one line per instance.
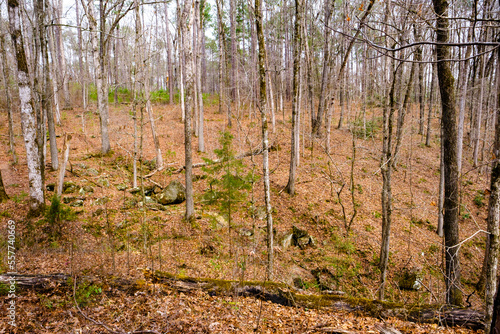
(61, 59)
(28, 118)
(265, 140)
(187, 48)
(62, 172)
(493, 242)
(3, 194)
(449, 138)
(318, 119)
(290, 187)
(10, 106)
(45, 91)
(201, 33)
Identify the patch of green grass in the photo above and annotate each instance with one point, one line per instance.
(5, 214)
(376, 214)
(479, 199)
(19, 198)
(343, 244)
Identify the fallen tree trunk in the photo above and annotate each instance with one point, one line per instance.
(253, 152)
(278, 293)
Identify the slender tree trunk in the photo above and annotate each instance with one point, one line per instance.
(431, 104)
(169, 58)
(477, 132)
(493, 242)
(187, 48)
(265, 140)
(316, 125)
(81, 73)
(10, 106)
(3, 194)
(45, 94)
(53, 74)
(61, 57)
(290, 187)
(386, 166)
(464, 76)
(60, 183)
(449, 125)
(28, 117)
(234, 62)
(401, 117)
(201, 33)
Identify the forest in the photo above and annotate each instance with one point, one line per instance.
(278, 166)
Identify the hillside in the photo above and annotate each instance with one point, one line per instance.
(109, 231)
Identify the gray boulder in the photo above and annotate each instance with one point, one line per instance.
(174, 193)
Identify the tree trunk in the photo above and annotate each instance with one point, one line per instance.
(53, 74)
(431, 103)
(449, 138)
(60, 55)
(28, 118)
(60, 183)
(290, 187)
(201, 32)
(3, 194)
(493, 242)
(386, 166)
(187, 48)
(170, 69)
(318, 120)
(5, 72)
(45, 91)
(265, 141)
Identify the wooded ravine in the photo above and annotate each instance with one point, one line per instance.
(278, 167)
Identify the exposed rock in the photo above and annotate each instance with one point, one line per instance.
(69, 187)
(92, 171)
(67, 200)
(86, 189)
(50, 187)
(246, 232)
(174, 193)
(98, 212)
(324, 278)
(208, 250)
(101, 201)
(299, 277)
(77, 203)
(135, 190)
(220, 222)
(287, 241)
(121, 187)
(103, 182)
(301, 238)
(130, 203)
(409, 279)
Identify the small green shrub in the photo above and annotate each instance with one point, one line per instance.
(479, 199)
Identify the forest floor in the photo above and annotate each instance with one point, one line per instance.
(115, 234)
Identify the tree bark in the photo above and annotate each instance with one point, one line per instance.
(3, 194)
(318, 120)
(28, 118)
(493, 241)
(60, 55)
(201, 32)
(10, 106)
(187, 48)
(265, 140)
(449, 138)
(45, 91)
(297, 51)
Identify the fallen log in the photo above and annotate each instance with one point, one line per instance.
(253, 152)
(278, 293)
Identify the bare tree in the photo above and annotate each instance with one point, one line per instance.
(28, 117)
(265, 140)
(449, 138)
(290, 187)
(187, 20)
